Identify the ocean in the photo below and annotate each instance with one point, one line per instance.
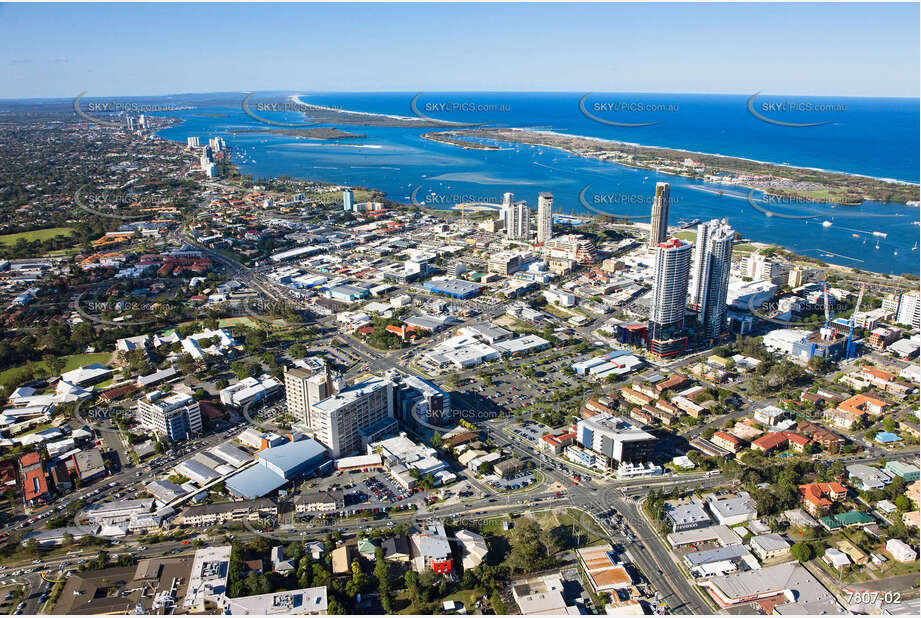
(872, 137)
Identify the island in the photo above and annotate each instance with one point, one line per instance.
(781, 181)
(320, 133)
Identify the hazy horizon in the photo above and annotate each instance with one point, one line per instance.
(807, 49)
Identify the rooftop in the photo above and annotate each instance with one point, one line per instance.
(301, 601)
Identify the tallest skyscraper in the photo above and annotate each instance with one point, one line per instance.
(710, 276)
(659, 229)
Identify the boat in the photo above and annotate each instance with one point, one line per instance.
(826, 223)
(880, 234)
(856, 235)
(915, 248)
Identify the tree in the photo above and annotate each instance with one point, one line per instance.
(186, 364)
(54, 363)
(802, 551)
(902, 503)
(335, 608)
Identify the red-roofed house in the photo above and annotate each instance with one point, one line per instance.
(817, 497)
(555, 442)
(770, 442)
(863, 404)
(34, 481)
(727, 441)
(797, 442)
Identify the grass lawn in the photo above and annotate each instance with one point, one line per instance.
(466, 597)
(554, 310)
(245, 321)
(687, 235)
(45, 234)
(70, 362)
(894, 569)
(744, 247)
(574, 518)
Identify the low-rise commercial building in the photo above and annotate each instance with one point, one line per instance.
(769, 546)
(300, 602)
(603, 570)
(209, 515)
(687, 517)
(733, 510)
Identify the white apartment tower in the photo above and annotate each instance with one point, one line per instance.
(544, 217)
(518, 222)
(909, 311)
(710, 275)
(669, 297)
(176, 416)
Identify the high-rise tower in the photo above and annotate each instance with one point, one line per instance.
(544, 217)
(518, 222)
(669, 297)
(710, 275)
(659, 228)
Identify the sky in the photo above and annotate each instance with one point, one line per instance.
(61, 50)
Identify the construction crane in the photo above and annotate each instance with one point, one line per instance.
(851, 349)
(825, 299)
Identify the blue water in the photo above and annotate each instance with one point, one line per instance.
(874, 137)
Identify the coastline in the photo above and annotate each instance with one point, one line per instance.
(805, 256)
(333, 115)
(840, 189)
(556, 134)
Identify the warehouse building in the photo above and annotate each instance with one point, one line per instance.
(456, 288)
(276, 466)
